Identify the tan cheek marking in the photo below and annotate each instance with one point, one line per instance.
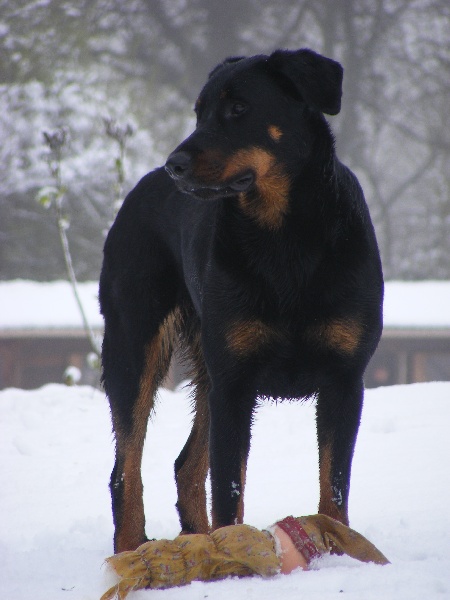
(270, 207)
(340, 334)
(248, 337)
(209, 166)
(272, 204)
(275, 133)
(248, 158)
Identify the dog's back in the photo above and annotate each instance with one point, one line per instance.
(255, 251)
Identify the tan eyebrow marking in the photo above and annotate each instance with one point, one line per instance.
(275, 133)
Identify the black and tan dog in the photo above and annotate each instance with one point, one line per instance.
(254, 250)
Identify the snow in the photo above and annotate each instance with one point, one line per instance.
(33, 305)
(417, 304)
(56, 527)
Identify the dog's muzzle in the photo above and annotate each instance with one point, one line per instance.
(179, 166)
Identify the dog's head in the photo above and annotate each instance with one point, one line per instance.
(255, 123)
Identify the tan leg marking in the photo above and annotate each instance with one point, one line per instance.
(240, 506)
(131, 533)
(192, 475)
(240, 510)
(157, 361)
(327, 505)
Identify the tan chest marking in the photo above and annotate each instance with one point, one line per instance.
(248, 337)
(343, 335)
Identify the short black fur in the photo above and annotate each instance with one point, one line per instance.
(254, 251)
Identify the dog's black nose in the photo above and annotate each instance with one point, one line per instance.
(178, 165)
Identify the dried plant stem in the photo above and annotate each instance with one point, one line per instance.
(56, 142)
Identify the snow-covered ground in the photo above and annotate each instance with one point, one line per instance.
(56, 526)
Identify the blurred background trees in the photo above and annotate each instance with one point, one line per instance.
(141, 64)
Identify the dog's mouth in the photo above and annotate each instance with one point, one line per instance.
(242, 183)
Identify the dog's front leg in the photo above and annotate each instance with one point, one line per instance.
(338, 416)
(229, 443)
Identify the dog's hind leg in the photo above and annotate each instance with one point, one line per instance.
(192, 465)
(133, 367)
(338, 417)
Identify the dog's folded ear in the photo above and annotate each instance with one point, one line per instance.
(228, 61)
(316, 78)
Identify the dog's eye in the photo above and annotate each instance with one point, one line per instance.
(236, 109)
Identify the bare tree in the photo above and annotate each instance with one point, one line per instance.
(70, 63)
(396, 57)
